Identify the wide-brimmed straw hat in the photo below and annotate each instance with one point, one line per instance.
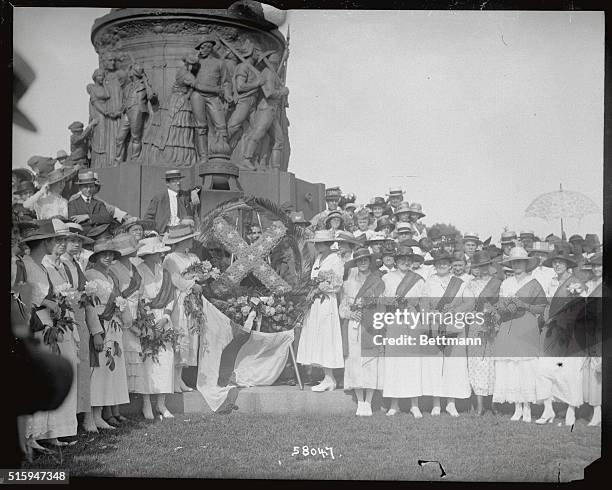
(126, 244)
(103, 245)
(404, 207)
(519, 253)
(560, 255)
(46, 228)
(416, 208)
(178, 234)
(152, 245)
(41, 165)
(347, 237)
(323, 236)
(333, 214)
(134, 221)
(57, 175)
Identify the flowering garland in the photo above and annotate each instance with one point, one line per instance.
(204, 273)
(153, 337)
(275, 313)
(62, 322)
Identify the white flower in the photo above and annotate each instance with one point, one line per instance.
(575, 288)
(91, 288)
(121, 303)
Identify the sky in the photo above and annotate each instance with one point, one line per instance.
(473, 114)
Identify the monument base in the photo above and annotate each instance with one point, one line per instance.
(131, 187)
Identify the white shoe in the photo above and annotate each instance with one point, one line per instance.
(546, 418)
(451, 410)
(416, 413)
(367, 409)
(526, 413)
(570, 417)
(359, 411)
(596, 419)
(435, 411)
(324, 386)
(392, 411)
(517, 415)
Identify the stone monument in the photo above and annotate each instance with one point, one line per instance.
(187, 88)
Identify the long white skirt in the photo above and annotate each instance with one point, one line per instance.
(560, 378)
(158, 375)
(109, 387)
(591, 381)
(321, 338)
(403, 377)
(445, 376)
(361, 372)
(515, 380)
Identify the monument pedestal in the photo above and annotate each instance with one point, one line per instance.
(131, 187)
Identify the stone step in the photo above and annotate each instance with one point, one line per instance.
(260, 400)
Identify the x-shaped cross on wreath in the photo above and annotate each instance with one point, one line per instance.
(249, 258)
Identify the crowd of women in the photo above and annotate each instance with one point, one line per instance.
(97, 290)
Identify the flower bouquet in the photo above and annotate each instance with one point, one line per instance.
(62, 321)
(153, 336)
(204, 273)
(575, 289)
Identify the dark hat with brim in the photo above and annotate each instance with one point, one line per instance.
(480, 257)
(439, 258)
(25, 186)
(384, 222)
(206, 39)
(145, 223)
(596, 259)
(560, 255)
(104, 245)
(45, 228)
(95, 231)
(334, 214)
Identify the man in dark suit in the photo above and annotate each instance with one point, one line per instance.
(89, 212)
(168, 208)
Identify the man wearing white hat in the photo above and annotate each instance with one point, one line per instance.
(396, 196)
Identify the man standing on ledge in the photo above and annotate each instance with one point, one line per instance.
(170, 207)
(211, 84)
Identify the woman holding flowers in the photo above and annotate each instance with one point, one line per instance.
(76, 276)
(363, 370)
(402, 379)
(130, 285)
(109, 386)
(560, 369)
(321, 338)
(485, 289)
(48, 310)
(445, 371)
(67, 341)
(153, 320)
(187, 323)
(516, 350)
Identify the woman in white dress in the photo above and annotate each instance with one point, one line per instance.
(445, 371)
(363, 370)
(48, 238)
(48, 202)
(109, 386)
(592, 371)
(481, 366)
(560, 374)
(158, 293)
(181, 239)
(517, 341)
(321, 338)
(76, 276)
(403, 370)
(130, 285)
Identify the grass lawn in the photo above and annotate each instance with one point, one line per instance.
(260, 446)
